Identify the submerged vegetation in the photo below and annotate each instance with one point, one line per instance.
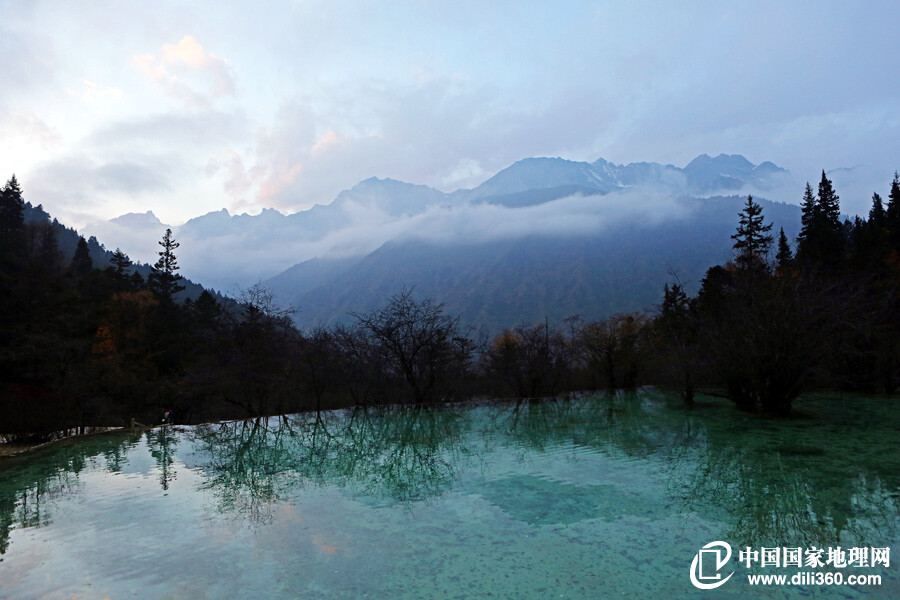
(85, 344)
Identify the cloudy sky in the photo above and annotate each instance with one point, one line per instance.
(188, 107)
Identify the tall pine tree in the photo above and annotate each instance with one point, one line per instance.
(874, 244)
(82, 262)
(12, 207)
(808, 217)
(892, 214)
(832, 231)
(752, 239)
(120, 263)
(164, 277)
(784, 258)
(821, 240)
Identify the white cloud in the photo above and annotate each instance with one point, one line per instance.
(254, 251)
(188, 73)
(93, 92)
(27, 128)
(466, 174)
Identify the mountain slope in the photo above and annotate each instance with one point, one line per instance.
(227, 251)
(502, 283)
(67, 240)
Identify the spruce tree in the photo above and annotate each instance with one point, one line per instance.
(892, 214)
(12, 207)
(163, 275)
(821, 239)
(829, 208)
(81, 262)
(876, 213)
(784, 257)
(808, 216)
(831, 229)
(873, 243)
(675, 302)
(751, 240)
(50, 256)
(120, 262)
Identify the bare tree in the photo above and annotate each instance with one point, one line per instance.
(422, 344)
(260, 354)
(617, 348)
(530, 361)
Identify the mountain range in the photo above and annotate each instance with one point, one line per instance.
(543, 238)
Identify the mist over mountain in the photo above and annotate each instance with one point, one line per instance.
(225, 251)
(545, 237)
(500, 282)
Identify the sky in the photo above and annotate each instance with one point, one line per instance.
(184, 108)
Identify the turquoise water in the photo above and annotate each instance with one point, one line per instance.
(596, 497)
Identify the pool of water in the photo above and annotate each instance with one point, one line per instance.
(596, 497)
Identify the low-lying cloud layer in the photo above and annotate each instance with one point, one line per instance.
(265, 249)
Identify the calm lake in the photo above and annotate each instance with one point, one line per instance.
(596, 497)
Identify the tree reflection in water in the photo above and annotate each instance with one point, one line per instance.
(778, 483)
(162, 442)
(729, 466)
(399, 454)
(32, 485)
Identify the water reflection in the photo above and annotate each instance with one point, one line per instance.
(774, 483)
(31, 486)
(401, 454)
(779, 492)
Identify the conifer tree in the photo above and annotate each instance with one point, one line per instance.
(675, 302)
(829, 208)
(50, 256)
(872, 238)
(784, 257)
(876, 213)
(831, 230)
(892, 214)
(81, 262)
(808, 216)
(163, 275)
(751, 240)
(120, 262)
(11, 207)
(821, 240)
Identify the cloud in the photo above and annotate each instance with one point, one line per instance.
(443, 131)
(25, 59)
(81, 172)
(260, 249)
(466, 174)
(27, 126)
(92, 92)
(76, 184)
(188, 73)
(237, 183)
(426, 94)
(176, 130)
